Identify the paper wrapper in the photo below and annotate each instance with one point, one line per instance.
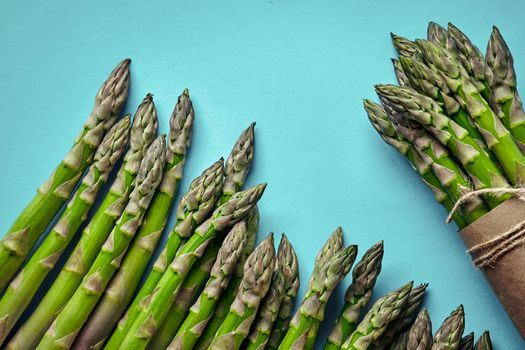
(507, 276)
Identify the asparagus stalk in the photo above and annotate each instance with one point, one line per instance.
(497, 137)
(420, 334)
(152, 316)
(143, 132)
(449, 334)
(484, 342)
(228, 296)
(272, 302)
(193, 284)
(400, 343)
(375, 322)
(38, 214)
(467, 342)
(501, 78)
(425, 111)
(402, 79)
(239, 162)
(470, 58)
(227, 256)
(25, 285)
(403, 46)
(404, 319)
(331, 266)
(357, 296)
(428, 157)
(197, 202)
(437, 34)
(254, 286)
(75, 313)
(291, 286)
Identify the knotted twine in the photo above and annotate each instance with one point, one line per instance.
(487, 253)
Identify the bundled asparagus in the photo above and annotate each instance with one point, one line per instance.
(143, 132)
(27, 282)
(34, 219)
(72, 317)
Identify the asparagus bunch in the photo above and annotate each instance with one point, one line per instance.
(451, 94)
(75, 313)
(43, 260)
(143, 132)
(36, 217)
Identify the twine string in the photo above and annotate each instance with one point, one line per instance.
(488, 253)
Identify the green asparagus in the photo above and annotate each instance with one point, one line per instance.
(425, 111)
(402, 79)
(228, 296)
(501, 78)
(357, 296)
(75, 313)
(25, 285)
(403, 46)
(443, 176)
(331, 266)
(200, 312)
(272, 302)
(420, 333)
(484, 342)
(154, 312)
(375, 322)
(38, 214)
(437, 34)
(400, 343)
(258, 271)
(449, 334)
(497, 137)
(143, 132)
(467, 342)
(197, 202)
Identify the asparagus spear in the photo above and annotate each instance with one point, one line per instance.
(199, 314)
(291, 286)
(197, 202)
(239, 162)
(272, 302)
(420, 334)
(152, 316)
(426, 156)
(403, 46)
(375, 322)
(497, 137)
(484, 342)
(38, 214)
(449, 334)
(425, 111)
(257, 277)
(357, 296)
(470, 58)
(25, 285)
(331, 266)
(228, 296)
(75, 313)
(402, 79)
(143, 132)
(437, 34)
(404, 319)
(501, 78)
(467, 342)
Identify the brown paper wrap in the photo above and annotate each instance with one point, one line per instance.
(507, 276)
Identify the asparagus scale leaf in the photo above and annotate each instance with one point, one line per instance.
(38, 214)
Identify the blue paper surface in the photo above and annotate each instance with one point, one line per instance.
(300, 70)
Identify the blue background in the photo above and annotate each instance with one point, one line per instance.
(300, 69)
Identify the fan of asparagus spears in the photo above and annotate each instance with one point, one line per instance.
(211, 288)
(456, 116)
